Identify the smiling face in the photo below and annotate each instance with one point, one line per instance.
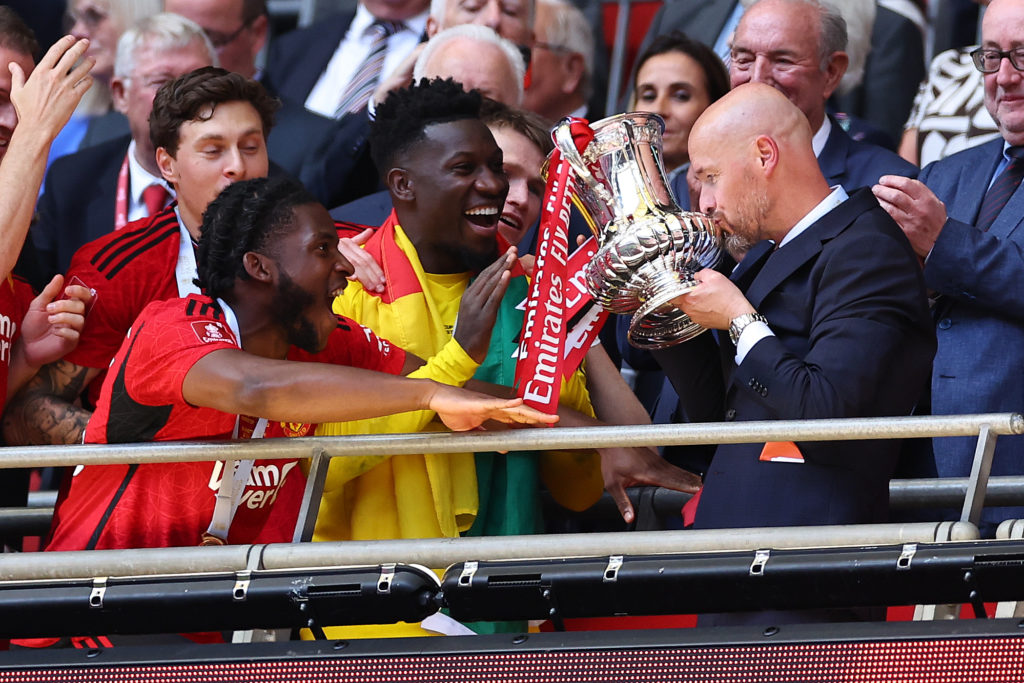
(1003, 29)
(451, 188)
(8, 115)
(214, 151)
(777, 43)
(672, 84)
(311, 273)
(522, 163)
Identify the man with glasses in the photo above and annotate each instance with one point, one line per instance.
(963, 218)
(562, 61)
(238, 31)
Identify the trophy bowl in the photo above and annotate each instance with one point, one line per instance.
(649, 247)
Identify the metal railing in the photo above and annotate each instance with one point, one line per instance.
(439, 553)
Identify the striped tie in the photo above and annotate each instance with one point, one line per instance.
(1002, 189)
(363, 83)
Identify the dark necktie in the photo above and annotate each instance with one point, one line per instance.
(154, 197)
(1002, 189)
(364, 81)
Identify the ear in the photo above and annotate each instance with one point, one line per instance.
(837, 65)
(767, 154)
(168, 166)
(259, 28)
(117, 93)
(259, 267)
(400, 185)
(432, 27)
(575, 67)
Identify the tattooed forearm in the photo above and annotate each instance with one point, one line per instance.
(44, 411)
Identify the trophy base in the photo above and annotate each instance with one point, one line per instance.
(658, 324)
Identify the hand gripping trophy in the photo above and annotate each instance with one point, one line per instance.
(649, 247)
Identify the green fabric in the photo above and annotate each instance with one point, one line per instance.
(508, 485)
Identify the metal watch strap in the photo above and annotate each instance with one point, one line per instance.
(739, 323)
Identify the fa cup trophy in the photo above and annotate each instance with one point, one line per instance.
(649, 247)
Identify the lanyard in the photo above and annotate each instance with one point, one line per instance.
(236, 472)
(121, 198)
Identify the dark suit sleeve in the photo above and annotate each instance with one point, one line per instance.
(978, 268)
(44, 231)
(341, 170)
(868, 318)
(695, 370)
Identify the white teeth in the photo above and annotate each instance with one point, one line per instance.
(483, 211)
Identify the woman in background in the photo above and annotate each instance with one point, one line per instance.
(678, 78)
(102, 22)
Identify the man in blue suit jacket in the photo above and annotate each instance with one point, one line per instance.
(830, 321)
(977, 269)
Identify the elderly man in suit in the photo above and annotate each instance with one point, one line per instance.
(892, 72)
(963, 218)
(798, 47)
(827, 319)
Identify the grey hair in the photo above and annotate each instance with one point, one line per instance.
(480, 34)
(833, 37)
(163, 31)
(437, 11)
(569, 28)
(860, 20)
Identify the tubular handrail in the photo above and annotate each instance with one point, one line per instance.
(844, 429)
(443, 552)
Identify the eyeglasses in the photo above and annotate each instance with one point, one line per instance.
(988, 59)
(222, 40)
(91, 17)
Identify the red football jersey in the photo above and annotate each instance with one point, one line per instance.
(171, 504)
(15, 297)
(127, 269)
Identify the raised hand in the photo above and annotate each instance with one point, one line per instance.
(641, 466)
(479, 307)
(50, 329)
(364, 269)
(461, 409)
(45, 100)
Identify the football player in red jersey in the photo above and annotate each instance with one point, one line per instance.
(209, 128)
(194, 368)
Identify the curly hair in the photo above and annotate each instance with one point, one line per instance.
(249, 215)
(195, 96)
(405, 114)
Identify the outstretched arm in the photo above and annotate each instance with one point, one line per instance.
(44, 103)
(233, 381)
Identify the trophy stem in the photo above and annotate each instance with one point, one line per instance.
(663, 285)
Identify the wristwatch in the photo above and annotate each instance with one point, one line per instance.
(740, 322)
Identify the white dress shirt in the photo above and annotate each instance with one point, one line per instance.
(325, 96)
(138, 180)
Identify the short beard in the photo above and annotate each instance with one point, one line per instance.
(287, 307)
(475, 261)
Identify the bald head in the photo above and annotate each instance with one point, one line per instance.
(751, 156)
(749, 111)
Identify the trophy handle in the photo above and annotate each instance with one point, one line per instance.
(646, 182)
